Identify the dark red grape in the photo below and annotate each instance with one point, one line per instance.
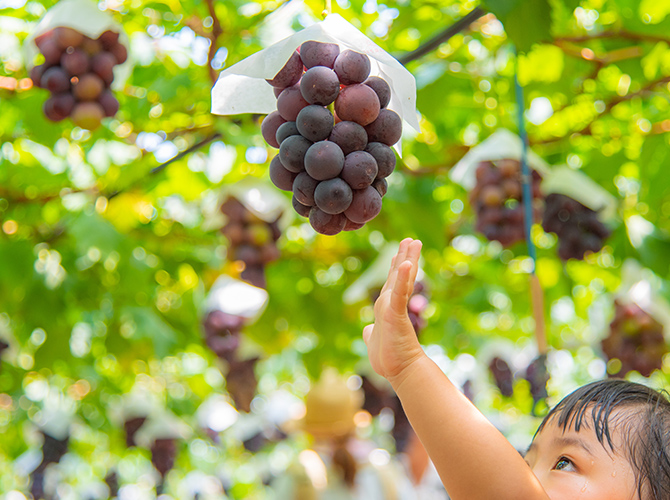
(269, 128)
(289, 74)
(315, 122)
(352, 226)
(279, 176)
(352, 67)
(319, 85)
(290, 102)
(387, 128)
(109, 103)
(55, 80)
(36, 73)
(67, 37)
(365, 206)
(333, 196)
(381, 186)
(324, 160)
(302, 210)
(292, 152)
(63, 103)
(109, 39)
(119, 52)
(360, 169)
(50, 112)
(286, 130)
(328, 224)
(75, 62)
(102, 64)
(357, 103)
(381, 88)
(319, 54)
(350, 136)
(303, 189)
(88, 88)
(385, 157)
(51, 52)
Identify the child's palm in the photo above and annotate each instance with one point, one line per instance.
(392, 342)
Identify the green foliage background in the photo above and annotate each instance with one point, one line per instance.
(105, 263)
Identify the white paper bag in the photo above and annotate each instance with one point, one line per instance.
(242, 87)
(500, 145)
(237, 298)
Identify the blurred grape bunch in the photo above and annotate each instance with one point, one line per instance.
(498, 202)
(241, 382)
(635, 341)
(502, 376)
(334, 133)
(578, 227)
(252, 240)
(222, 333)
(55, 433)
(78, 71)
(537, 376)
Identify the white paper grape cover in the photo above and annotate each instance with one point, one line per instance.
(501, 144)
(260, 198)
(242, 87)
(580, 187)
(236, 298)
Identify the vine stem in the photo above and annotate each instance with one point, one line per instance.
(327, 8)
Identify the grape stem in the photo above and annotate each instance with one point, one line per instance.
(328, 8)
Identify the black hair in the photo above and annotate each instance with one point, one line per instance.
(645, 429)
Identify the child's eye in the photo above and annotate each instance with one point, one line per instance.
(564, 464)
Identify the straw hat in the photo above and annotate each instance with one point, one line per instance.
(330, 406)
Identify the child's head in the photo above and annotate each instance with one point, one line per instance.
(607, 440)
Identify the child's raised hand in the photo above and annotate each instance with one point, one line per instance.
(392, 342)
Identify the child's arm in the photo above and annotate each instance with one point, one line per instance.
(474, 460)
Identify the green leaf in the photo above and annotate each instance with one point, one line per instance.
(526, 22)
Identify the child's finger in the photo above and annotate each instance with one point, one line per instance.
(413, 254)
(389, 276)
(367, 333)
(397, 260)
(402, 288)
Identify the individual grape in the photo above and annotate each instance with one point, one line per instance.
(279, 176)
(67, 37)
(234, 209)
(357, 103)
(315, 122)
(36, 73)
(352, 226)
(333, 196)
(92, 47)
(55, 80)
(75, 62)
(349, 136)
(324, 160)
(269, 128)
(51, 52)
(290, 102)
(381, 88)
(365, 206)
(352, 67)
(88, 88)
(109, 39)
(492, 196)
(292, 152)
(87, 115)
(109, 103)
(289, 74)
(62, 103)
(41, 39)
(315, 53)
(302, 210)
(502, 375)
(303, 189)
(234, 231)
(319, 85)
(286, 130)
(54, 107)
(384, 156)
(387, 128)
(328, 224)
(119, 52)
(360, 169)
(102, 64)
(381, 186)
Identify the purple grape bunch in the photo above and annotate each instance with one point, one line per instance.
(334, 134)
(578, 227)
(78, 72)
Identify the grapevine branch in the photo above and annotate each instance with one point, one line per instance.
(442, 37)
(214, 36)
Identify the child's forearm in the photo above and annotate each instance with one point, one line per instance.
(473, 458)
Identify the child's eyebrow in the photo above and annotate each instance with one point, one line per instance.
(572, 441)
